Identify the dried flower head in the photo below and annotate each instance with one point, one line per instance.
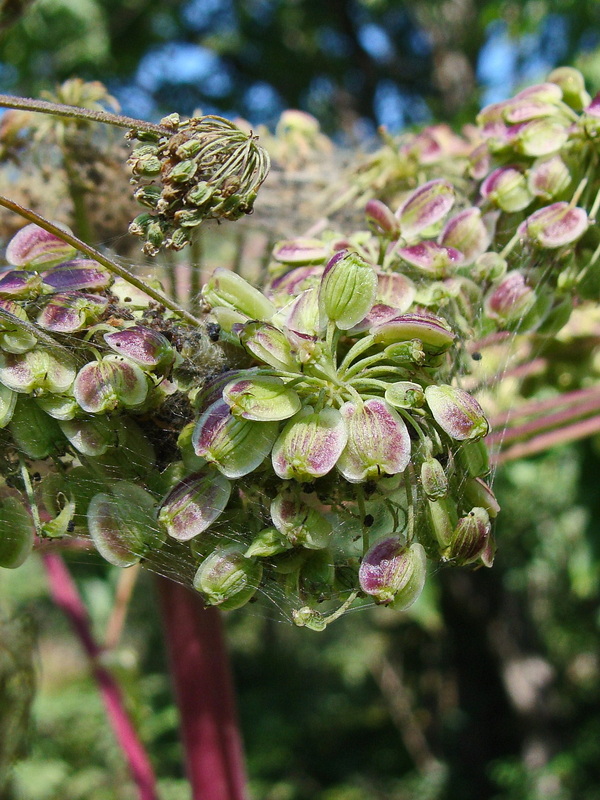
(206, 168)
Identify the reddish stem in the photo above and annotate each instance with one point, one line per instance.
(535, 407)
(546, 422)
(570, 433)
(204, 691)
(66, 596)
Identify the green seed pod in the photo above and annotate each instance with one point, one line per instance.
(34, 432)
(471, 538)
(474, 457)
(442, 518)
(122, 524)
(269, 542)
(433, 479)
(183, 171)
(227, 578)
(16, 533)
(348, 290)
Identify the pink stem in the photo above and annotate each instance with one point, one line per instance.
(536, 407)
(66, 596)
(547, 422)
(579, 430)
(204, 692)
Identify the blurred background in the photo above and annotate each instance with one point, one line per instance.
(489, 686)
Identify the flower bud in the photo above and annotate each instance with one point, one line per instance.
(37, 370)
(300, 524)
(269, 542)
(92, 437)
(456, 412)
(227, 578)
(226, 288)
(471, 538)
(381, 219)
(347, 291)
(378, 441)
(8, 400)
(489, 267)
(301, 316)
(548, 177)
(71, 311)
(77, 275)
(474, 457)
(395, 290)
(261, 398)
(235, 445)
(540, 137)
(183, 171)
(393, 573)
(13, 337)
(310, 444)
(478, 493)
(410, 352)
(122, 524)
(16, 533)
(424, 207)
(442, 517)
(194, 504)
(33, 246)
(19, 284)
(572, 84)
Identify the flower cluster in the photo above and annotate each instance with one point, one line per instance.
(205, 168)
(338, 430)
(336, 453)
(349, 429)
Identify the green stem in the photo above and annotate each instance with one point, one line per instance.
(111, 265)
(35, 514)
(75, 112)
(368, 383)
(196, 254)
(356, 350)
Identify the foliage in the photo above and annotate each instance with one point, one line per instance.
(377, 60)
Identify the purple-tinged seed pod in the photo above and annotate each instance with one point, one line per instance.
(194, 504)
(76, 275)
(378, 441)
(424, 207)
(310, 444)
(456, 412)
(32, 247)
(393, 573)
